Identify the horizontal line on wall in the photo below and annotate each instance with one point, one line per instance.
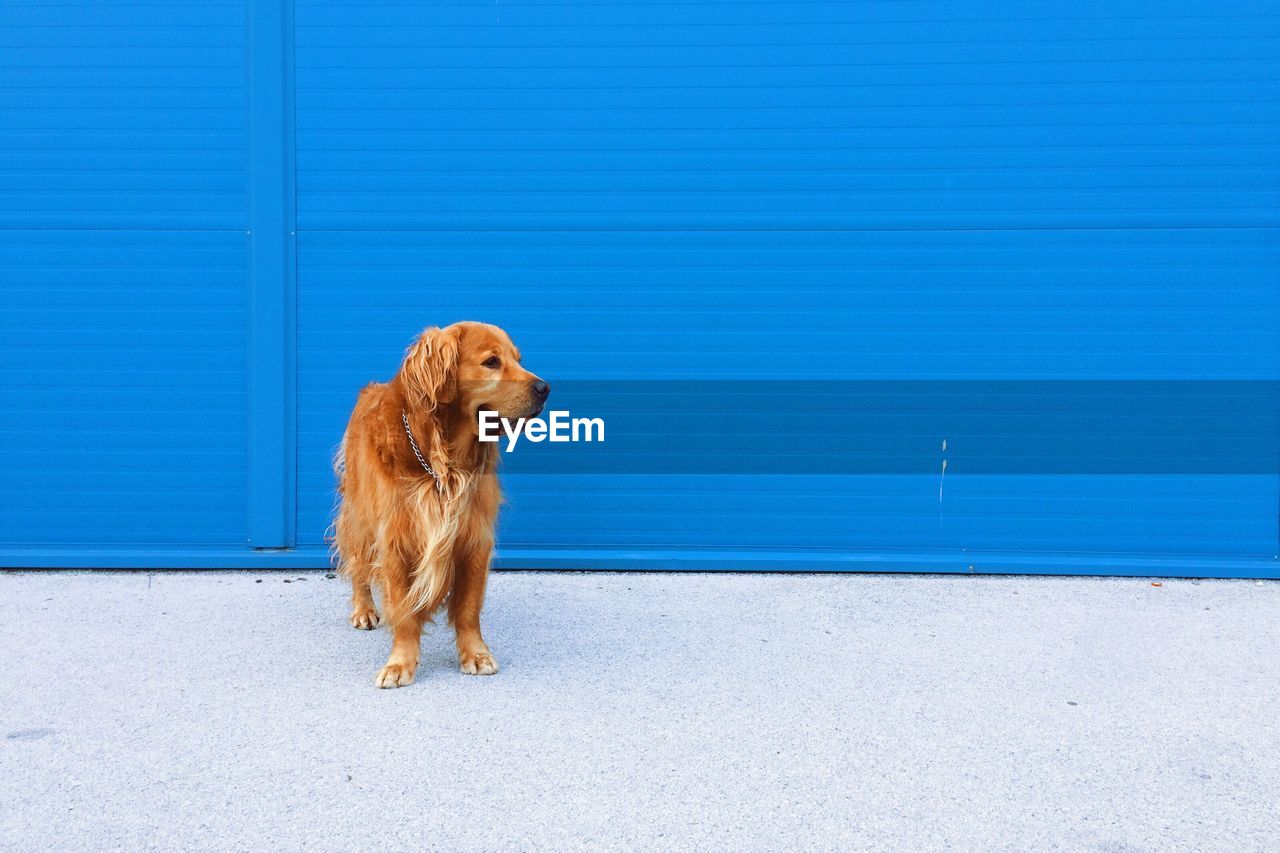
(776, 151)
(1173, 100)
(798, 229)
(1050, 39)
(879, 127)
(926, 64)
(654, 558)
(313, 174)
(764, 85)
(826, 22)
(124, 229)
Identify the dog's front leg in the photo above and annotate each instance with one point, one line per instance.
(406, 625)
(471, 566)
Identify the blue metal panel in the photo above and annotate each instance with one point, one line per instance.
(773, 190)
(762, 190)
(122, 276)
(122, 116)
(811, 115)
(906, 305)
(123, 393)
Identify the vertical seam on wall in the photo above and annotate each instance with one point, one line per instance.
(291, 170)
(272, 390)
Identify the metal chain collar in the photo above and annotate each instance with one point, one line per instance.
(418, 453)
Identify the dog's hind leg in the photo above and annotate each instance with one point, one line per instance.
(364, 615)
(357, 564)
(354, 554)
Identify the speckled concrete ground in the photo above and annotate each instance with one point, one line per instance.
(175, 710)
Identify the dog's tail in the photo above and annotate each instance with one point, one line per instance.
(340, 460)
(339, 473)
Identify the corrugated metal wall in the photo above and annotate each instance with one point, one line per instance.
(892, 190)
(122, 275)
(896, 190)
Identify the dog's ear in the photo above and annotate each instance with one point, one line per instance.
(430, 368)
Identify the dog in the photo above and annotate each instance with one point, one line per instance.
(418, 492)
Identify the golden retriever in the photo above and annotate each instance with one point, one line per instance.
(419, 492)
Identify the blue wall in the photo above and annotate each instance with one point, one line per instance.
(122, 275)
(637, 191)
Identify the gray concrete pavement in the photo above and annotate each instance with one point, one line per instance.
(173, 711)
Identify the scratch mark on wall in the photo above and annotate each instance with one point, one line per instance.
(942, 479)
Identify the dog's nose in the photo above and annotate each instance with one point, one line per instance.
(541, 388)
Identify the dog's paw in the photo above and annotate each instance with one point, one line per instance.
(477, 663)
(364, 618)
(396, 675)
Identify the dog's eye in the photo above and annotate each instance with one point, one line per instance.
(493, 362)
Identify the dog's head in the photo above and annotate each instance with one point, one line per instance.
(472, 367)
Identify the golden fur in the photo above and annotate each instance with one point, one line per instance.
(423, 543)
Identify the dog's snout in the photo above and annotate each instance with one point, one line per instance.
(542, 389)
